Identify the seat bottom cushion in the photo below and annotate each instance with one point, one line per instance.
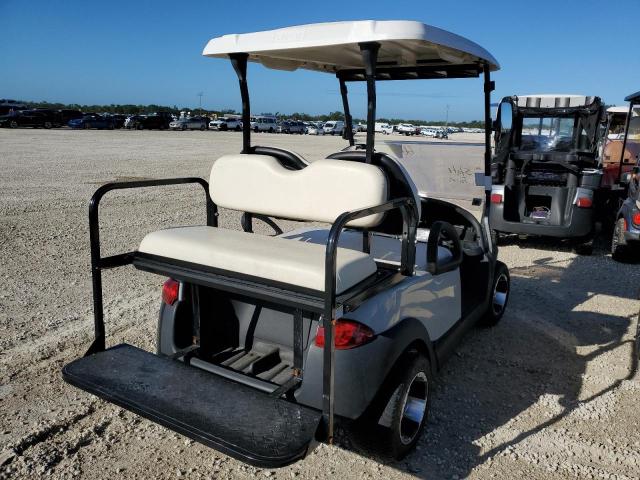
(270, 258)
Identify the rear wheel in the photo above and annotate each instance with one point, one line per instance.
(407, 410)
(13, 124)
(618, 248)
(87, 126)
(202, 128)
(140, 126)
(47, 125)
(499, 296)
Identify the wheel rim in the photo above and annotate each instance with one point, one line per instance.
(13, 124)
(414, 406)
(500, 294)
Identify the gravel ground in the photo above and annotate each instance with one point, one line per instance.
(548, 393)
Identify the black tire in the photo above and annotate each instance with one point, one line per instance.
(411, 381)
(87, 126)
(47, 125)
(256, 129)
(619, 251)
(202, 128)
(111, 127)
(139, 127)
(13, 124)
(237, 129)
(500, 291)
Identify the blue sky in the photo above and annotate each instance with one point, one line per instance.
(150, 52)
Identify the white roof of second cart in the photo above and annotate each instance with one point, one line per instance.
(334, 46)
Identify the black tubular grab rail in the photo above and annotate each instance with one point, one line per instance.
(98, 263)
(408, 208)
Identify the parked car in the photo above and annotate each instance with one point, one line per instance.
(92, 120)
(290, 126)
(315, 129)
(406, 129)
(428, 132)
(131, 122)
(26, 118)
(334, 127)
(226, 123)
(384, 128)
(118, 120)
(190, 123)
(264, 124)
(158, 120)
(66, 114)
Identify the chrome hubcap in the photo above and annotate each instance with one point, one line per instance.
(413, 408)
(500, 294)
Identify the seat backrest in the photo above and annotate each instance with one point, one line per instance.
(320, 192)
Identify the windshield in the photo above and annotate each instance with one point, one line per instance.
(552, 134)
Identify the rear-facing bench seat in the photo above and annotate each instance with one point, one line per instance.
(269, 258)
(260, 184)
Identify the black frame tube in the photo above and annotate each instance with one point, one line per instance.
(239, 62)
(348, 127)
(624, 141)
(369, 52)
(489, 86)
(409, 212)
(98, 264)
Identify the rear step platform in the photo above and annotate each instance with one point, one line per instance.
(230, 417)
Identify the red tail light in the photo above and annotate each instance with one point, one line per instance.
(635, 218)
(349, 334)
(170, 290)
(584, 202)
(496, 198)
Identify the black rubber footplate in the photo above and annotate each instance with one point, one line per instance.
(230, 417)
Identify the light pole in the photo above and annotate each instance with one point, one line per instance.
(200, 94)
(446, 122)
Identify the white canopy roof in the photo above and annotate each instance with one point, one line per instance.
(553, 100)
(331, 47)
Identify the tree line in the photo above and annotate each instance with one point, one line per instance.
(141, 109)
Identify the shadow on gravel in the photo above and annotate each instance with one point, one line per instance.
(531, 360)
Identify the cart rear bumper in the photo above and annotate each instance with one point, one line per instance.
(235, 419)
(580, 224)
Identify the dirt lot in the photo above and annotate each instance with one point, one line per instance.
(546, 394)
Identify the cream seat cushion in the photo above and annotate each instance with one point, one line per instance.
(271, 258)
(319, 193)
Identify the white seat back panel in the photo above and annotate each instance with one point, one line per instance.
(320, 192)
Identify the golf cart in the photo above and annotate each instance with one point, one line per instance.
(264, 340)
(626, 231)
(545, 168)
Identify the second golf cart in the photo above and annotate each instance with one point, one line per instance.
(625, 241)
(545, 168)
(264, 340)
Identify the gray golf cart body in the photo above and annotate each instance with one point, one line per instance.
(545, 169)
(406, 257)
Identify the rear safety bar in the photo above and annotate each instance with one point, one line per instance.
(406, 205)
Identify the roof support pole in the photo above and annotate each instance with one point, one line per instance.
(369, 52)
(624, 140)
(348, 127)
(489, 86)
(239, 62)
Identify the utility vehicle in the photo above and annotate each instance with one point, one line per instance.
(545, 168)
(264, 340)
(626, 231)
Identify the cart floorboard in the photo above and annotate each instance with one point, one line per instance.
(230, 417)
